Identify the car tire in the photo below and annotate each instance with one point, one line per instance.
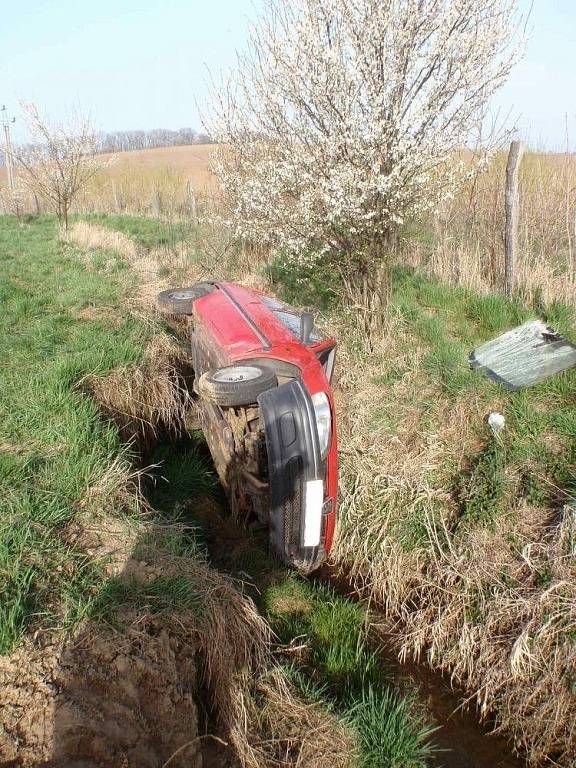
(179, 301)
(236, 384)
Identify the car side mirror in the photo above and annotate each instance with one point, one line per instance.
(306, 327)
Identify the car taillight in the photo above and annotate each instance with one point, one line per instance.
(323, 420)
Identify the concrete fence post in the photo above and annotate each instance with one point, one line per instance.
(511, 203)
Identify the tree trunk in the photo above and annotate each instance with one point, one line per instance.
(368, 290)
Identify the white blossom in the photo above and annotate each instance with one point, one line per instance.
(345, 118)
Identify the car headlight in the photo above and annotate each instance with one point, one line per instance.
(323, 420)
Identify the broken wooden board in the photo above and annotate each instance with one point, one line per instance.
(525, 355)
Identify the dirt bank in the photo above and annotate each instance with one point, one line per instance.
(104, 699)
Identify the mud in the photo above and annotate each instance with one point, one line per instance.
(117, 697)
(107, 699)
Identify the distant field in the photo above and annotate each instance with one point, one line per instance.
(159, 182)
(190, 160)
(150, 181)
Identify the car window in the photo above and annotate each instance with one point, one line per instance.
(290, 318)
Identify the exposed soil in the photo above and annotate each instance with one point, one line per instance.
(107, 699)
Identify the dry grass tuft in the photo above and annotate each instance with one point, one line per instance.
(263, 719)
(286, 731)
(93, 237)
(267, 723)
(145, 398)
(464, 245)
(462, 263)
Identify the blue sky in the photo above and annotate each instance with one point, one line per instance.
(144, 63)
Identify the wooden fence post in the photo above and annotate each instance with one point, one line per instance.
(511, 205)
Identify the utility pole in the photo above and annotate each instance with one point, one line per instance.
(6, 123)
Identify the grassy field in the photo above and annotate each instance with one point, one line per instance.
(75, 348)
(148, 181)
(60, 321)
(465, 541)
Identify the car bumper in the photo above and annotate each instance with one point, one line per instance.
(297, 476)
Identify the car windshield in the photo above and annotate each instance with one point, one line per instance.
(290, 318)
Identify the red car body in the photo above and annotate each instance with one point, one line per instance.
(276, 445)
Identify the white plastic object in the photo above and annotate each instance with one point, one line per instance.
(496, 422)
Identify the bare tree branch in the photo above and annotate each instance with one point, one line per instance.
(59, 160)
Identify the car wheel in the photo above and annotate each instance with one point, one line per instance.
(179, 301)
(236, 384)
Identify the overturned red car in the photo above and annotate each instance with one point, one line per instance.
(262, 375)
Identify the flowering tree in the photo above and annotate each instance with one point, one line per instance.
(59, 160)
(347, 117)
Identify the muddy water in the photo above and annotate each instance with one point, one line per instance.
(462, 740)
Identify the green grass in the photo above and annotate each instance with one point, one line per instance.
(183, 471)
(536, 460)
(150, 233)
(163, 594)
(59, 321)
(64, 316)
(339, 668)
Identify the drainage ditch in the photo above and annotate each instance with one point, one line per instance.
(460, 740)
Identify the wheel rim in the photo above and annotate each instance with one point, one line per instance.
(187, 294)
(237, 373)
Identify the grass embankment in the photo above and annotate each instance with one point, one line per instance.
(461, 537)
(88, 568)
(467, 541)
(58, 459)
(387, 726)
